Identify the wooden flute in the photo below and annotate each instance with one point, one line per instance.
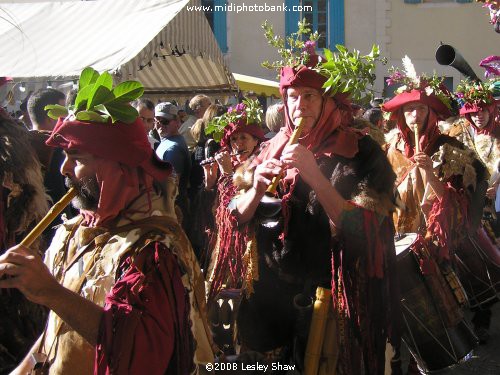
(55, 210)
(294, 138)
(212, 160)
(417, 138)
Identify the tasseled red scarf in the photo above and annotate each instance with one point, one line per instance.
(428, 137)
(232, 241)
(373, 303)
(447, 222)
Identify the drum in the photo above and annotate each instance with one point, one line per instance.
(433, 326)
(478, 268)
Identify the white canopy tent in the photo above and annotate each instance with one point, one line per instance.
(161, 43)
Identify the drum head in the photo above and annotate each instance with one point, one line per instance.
(403, 241)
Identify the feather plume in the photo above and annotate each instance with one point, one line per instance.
(410, 70)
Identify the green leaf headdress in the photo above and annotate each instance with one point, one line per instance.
(98, 101)
(345, 71)
(249, 112)
(471, 95)
(409, 80)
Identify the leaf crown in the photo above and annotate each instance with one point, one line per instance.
(98, 101)
(346, 71)
(409, 80)
(475, 92)
(246, 113)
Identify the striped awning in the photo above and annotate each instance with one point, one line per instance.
(162, 43)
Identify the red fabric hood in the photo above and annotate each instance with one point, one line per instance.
(302, 76)
(232, 128)
(120, 142)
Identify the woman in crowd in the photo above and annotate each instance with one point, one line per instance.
(241, 135)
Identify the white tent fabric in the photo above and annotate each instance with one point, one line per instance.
(159, 42)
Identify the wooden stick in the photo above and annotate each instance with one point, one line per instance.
(317, 331)
(48, 218)
(293, 139)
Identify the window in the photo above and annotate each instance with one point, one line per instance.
(325, 16)
(316, 13)
(217, 20)
(208, 7)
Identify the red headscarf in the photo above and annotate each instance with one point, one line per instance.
(491, 127)
(126, 163)
(427, 137)
(302, 76)
(331, 134)
(437, 110)
(234, 128)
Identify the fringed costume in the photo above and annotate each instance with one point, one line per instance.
(23, 202)
(441, 223)
(131, 257)
(299, 249)
(479, 254)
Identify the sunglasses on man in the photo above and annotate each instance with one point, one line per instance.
(162, 121)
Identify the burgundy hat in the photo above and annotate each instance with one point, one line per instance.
(302, 75)
(472, 108)
(478, 106)
(120, 142)
(406, 97)
(234, 128)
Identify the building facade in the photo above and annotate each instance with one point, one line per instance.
(400, 27)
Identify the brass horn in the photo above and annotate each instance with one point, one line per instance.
(447, 55)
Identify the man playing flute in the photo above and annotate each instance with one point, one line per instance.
(437, 181)
(334, 230)
(121, 280)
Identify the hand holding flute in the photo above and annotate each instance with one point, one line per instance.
(221, 161)
(294, 138)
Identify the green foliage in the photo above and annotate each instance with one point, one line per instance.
(431, 85)
(293, 50)
(98, 101)
(346, 72)
(349, 72)
(246, 113)
(474, 92)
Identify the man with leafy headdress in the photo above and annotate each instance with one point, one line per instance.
(334, 228)
(121, 280)
(479, 107)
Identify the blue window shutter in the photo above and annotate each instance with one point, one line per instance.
(336, 21)
(413, 1)
(291, 18)
(464, 1)
(220, 25)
